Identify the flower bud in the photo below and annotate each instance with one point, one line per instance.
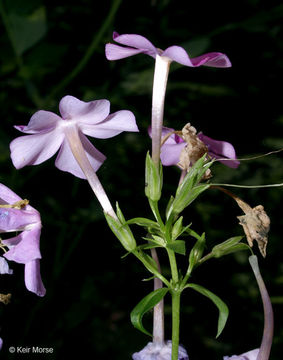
(153, 179)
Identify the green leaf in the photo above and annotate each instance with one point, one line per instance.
(25, 22)
(222, 307)
(186, 198)
(146, 304)
(169, 207)
(149, 263)
(178, 246)
(177, 228)
(196, 252)
(229, 246)
(143, 222)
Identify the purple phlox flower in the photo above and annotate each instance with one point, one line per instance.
(171, 149)
(250, 355)
(48, 132)
(24, 247)
(136, 44)
(157, 351)
(1, 343)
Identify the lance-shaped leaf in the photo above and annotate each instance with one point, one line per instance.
(147, 223)
(177, 228)
(185, 199)
(196, 252)
(229, 246)
(178, 246)
(222, 307)
(146, 304)
(190, 188)
(153, 179)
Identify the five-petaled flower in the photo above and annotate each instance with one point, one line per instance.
(137, 44)
(17, 216)
(48, 132)
(174, 144)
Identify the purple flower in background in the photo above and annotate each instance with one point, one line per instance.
(137, 44)
(4, 267)
(157, 351)
(17, 216)
(250, 355)
(48, 132)
(173, 146)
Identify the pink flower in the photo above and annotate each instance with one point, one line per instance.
(48, 132)
(171, 150)
(24, 247)
(137, 44)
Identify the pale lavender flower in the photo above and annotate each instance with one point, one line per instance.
(4, 267)
(159, 351)
(1, 343)
(47, 133)
(250, 355)
(24, 247)
(137, 44)
(173, 146)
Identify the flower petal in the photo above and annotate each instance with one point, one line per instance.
(7, 196)
(170, 154)
(4, 267)
(35, 149)
(213, 59)
(113, 125)
(220, 149)
(87, 112)
(16, 220)
(33, 278)
(24, 247)
(117, 52)
(136, 41)
(66, 162)
(41, 121)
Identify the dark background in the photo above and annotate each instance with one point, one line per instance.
(53, 48)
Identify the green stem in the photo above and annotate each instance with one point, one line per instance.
(176, 296)
(92, 47)
(173, 266)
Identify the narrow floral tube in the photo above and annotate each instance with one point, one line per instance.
(264, 351)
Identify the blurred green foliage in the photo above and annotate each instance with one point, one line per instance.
(53, 48)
